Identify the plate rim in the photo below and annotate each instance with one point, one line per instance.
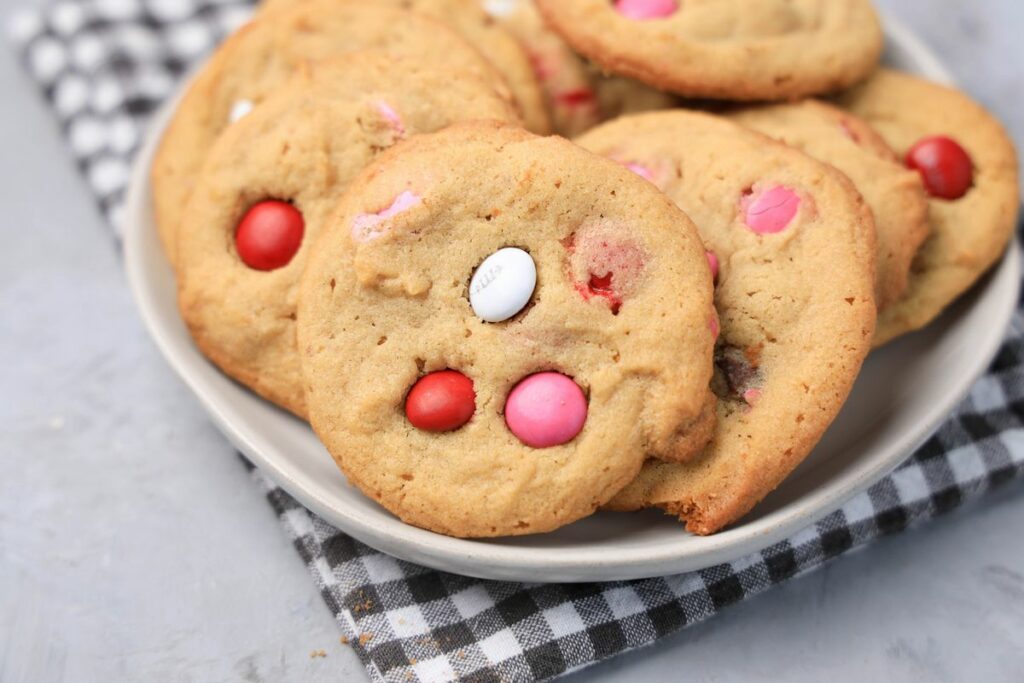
(490, 560)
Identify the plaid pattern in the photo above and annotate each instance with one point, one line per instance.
(105, 65)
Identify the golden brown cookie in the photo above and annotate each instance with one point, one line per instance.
(726, 49)
(577, 94)
(269, 183)
(973, 224)
(502, 50)
(536, 418)
(894, 193)
(794, 246)
(258, 58)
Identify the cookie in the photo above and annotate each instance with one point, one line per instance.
(502, 50)
(894, 192)
(618, 95)
(974, 195)
(496, 329)
(261, 56)
(726, 49)
(578, 96)
(270, 181)
(793, 246)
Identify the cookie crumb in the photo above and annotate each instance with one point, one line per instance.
(344, 640)
(317, 653)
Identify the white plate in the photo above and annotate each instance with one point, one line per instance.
(902, 396)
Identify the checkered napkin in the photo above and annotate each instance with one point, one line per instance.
(104, 65)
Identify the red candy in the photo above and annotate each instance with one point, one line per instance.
(945, 168)
(441, 401)
(269, 235)
(576, 98)
(602, 286)
(712, 264)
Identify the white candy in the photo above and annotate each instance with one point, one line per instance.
(240, 109)
(502, 285)
(500, 8)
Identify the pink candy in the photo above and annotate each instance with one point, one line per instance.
(546, 409)
(392, 117)
(769, 211)
(712, 264)
(642, 171)
(366, 226)
(642, 10)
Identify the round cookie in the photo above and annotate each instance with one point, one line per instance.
(894, 193)
(726, 49)
(578, 96)
(495, 44)
(621, 308)
(261, 56)
(299, 148)
(969, 233)
(794, 248)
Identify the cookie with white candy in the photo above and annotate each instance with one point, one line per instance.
(497, 329)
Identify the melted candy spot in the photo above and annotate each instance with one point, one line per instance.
(543, 67)
(742, 377)
(602, 266)
(576, 98)
(769, 211)
(392, 117)
(642, 10)
(849, 132)
(601, 285)
(367, 226)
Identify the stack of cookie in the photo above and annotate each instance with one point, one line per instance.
(497, 331)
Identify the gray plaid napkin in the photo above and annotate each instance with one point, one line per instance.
(105, 65)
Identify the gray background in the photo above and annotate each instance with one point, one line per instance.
(133, 545)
